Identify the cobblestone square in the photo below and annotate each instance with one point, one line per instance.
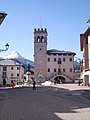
(54, 102)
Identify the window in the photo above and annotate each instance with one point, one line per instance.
(54, 59)
(70, 69)
(87, 41)
(63, 69)
(59, 70)
(42, 38)
(54, 69)
(59, 60)
(48, 69)
(70, 59)
(11, 68)
(17, 68)
(4, 74)
(17, 75)
(38, 38)
(4, 68)
(63, 59)
(48, 59)
(11, 74)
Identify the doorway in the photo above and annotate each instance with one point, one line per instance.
(4, 81)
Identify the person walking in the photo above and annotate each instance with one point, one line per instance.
(13, 84)
(79, 82)
(34, 85)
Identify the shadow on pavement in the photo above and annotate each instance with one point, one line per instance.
(44, 103)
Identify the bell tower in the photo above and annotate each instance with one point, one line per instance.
(40, 54)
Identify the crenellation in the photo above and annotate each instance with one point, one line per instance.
(34, 29)
(40, 30)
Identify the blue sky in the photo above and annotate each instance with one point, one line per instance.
(65, 20)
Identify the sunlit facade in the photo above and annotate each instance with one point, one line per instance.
(11, 70)
(51, 64)
(85, 48)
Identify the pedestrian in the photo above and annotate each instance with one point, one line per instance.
(13, 84)
(34, 85)
(79, 82)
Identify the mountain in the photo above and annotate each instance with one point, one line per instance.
(16, 56)
(77, 62)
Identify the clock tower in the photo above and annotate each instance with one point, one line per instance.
(40, 54)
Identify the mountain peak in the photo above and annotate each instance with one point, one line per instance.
(16, 56)
(13, 54)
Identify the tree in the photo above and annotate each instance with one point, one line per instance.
(28, 68)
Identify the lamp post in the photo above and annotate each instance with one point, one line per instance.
(6, 48)
(2, 16)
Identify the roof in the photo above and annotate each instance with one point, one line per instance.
(15, 60)
(60, 52)
(84, 36)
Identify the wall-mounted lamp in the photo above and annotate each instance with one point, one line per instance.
(6, 48)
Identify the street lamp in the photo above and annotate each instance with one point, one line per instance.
(2, 16)
(6, 48)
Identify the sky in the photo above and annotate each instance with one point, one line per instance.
(65, 20)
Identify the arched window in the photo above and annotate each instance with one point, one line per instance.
(38, 38)
(42, 39)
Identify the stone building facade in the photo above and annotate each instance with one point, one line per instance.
(51, 64)
(40, 53)
(11, 70)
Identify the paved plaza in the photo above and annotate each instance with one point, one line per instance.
(54, 102)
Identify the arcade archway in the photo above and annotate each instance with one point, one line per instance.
(59, 79)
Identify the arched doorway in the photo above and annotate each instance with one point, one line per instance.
(59, 79)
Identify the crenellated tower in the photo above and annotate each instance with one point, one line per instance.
(40, 53)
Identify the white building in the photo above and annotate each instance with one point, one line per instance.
(52, 64)
(11, 70)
